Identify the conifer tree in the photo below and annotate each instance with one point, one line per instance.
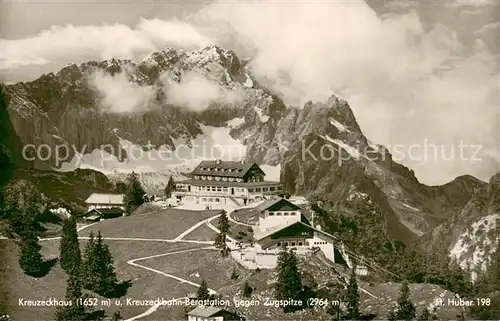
(203, 292)
(289, 283)
(106, 275)
(352, 297)
(247, 290)
(170, 187)
(134, 197)
(69, 248)
(220, 243)
(74, 311)
(90, 265)
(224, 223)
(405, 309)
(30, 258)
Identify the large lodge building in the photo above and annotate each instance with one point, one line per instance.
(223, 183)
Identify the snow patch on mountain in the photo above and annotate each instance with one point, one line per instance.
(341, 127)
(235, 122)
(411, 207)
(248, 82)
(475, 246)
(263, 118)
(353, 152)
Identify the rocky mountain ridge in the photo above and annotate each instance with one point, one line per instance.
(319, 147)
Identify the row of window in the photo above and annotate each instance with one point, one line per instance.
(282, 213)
(224, 169)
(286, 244)
(210, 199)
(299, 243)
(217, 189)
(218, 178)
(264, 189)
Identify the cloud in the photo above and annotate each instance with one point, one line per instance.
(195, 92)
(493, 27)
(78, 44)
(119, 95)
(408, 82)
(469, 3)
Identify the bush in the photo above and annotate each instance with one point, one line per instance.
(234, 275)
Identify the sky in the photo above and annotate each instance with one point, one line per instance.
(422, 77)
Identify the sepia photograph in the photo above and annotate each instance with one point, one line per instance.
(249, 160)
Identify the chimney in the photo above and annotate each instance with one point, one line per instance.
(243, 161)
(217, 162)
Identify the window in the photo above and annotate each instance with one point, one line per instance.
(278, 188)
(285, 214)
(213, 188)
(210, 199)
(293, 243)
(257, 189)
(250, 190)
(219, 188)
(264, 189)
(272, 188)
(271, 214)
(217, 200)
(300, 243)
(278, 214)
(278, 244)
(196, 176)
(286, 243)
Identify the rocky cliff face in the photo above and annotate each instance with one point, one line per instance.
(472, 235)
(319, 147)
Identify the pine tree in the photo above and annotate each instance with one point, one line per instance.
(106, 276)
(289, 283)
(75, 311)
(247, 290)
(134, 197)
(90, 265)
(30, 258)
(352, 297)
(220, 243)
(224, 223)
(203, 292)
(23, 204)
(405, 309)
(170, 187)
(69, 248)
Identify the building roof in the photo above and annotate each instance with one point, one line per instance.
(205, 312)
(224, 168)
(92, 217)
(98, 198)
(303, 221)
(200, 182)
(270, 203)
(106, 211)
